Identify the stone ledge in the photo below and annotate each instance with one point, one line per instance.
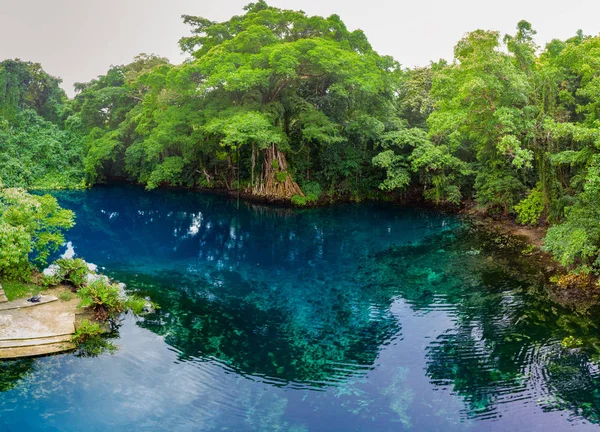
(37, 350)
(23, 303)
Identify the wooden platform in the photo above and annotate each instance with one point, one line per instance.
(33, 329)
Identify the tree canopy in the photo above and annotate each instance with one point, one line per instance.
(285, 106)
(38, 146)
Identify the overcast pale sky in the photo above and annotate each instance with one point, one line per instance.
(78, 40)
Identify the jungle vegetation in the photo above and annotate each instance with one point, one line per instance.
(286, 106)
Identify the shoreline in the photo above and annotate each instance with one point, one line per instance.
(577, 289)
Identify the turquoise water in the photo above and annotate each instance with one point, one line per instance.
(366, 317)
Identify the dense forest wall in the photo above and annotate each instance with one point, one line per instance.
(278, 104)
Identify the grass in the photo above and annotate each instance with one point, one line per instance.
(16, 290)
(66, 296)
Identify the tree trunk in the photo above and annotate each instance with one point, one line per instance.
(253, 163)
(275, 181)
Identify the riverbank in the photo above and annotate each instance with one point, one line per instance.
(571, 290)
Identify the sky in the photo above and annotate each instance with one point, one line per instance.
(77, 40)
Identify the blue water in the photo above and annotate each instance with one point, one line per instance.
(356, 317)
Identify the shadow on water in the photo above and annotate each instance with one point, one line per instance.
(391, 315)
(12, 372)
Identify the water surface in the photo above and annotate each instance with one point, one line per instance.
(366, 317)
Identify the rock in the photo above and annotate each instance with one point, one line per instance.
(91, 278)
(93, 268)
(51, 270)
(148, 308)
(122, 287)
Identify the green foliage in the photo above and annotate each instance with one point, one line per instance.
(106, 300)
(103, 298)
(25, 85)
(273, 97)
(529, 249)
(575, 241)
(66, 296)
(485, 114)
(37, 154)
(267, 93)
(38, 149)
(168, 172)
(15, 289)
(73, 271)
(570, 342)
(29, 224)
(498, 189)
(312, 191)
(530, 209)
(90, 337)
(86, 330)
(138, 305)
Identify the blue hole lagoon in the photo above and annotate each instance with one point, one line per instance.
(355, 317)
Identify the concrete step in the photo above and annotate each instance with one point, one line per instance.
(15, 343)
(37, 350)
(23, 303)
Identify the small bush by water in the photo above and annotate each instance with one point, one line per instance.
(91, 340)
(72, 271)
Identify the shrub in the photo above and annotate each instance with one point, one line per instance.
(86, 330)
(89, 336)
(312, 192)
(529, 249)
(29, 225)
(103, 298)
(575, 241)
(530, 209)
(299, 200)
(497, 189)
(73, 271)
(137, 305)
(106, 300)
